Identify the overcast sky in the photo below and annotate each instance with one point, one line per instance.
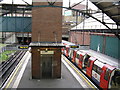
(65, 2)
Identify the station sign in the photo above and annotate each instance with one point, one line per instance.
(47, 52)
(23, 47)
(74, 46)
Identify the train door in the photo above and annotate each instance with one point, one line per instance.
(96, 71)
(62, 50)
(71, 54)
(67, 50)
(90, 66)
(46, 66)
(74, 55)
(85, 61)
(105, 76)
(79, 59)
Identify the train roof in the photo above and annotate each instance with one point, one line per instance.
(103, 58)
(99, 63)
(79, 52)
(67, 42)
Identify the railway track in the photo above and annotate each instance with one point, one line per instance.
(7, 67)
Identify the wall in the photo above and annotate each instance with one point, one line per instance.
(112, 47)
(96, 43)
(82, 38)
(36, 62)
(104, 43)
(46, 28)
(46, 23)
(107, 44)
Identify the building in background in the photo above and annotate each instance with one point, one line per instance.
(72, 18)
(15, 24)
(96, 35)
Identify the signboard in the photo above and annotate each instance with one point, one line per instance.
(68, 13)
(46, 52)
(74, 46)
(23, 47)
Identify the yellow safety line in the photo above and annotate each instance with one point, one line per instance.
(11, 79)
(79, 73)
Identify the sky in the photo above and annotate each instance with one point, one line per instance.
(65, 2)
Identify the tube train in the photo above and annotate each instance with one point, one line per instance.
(104, 75)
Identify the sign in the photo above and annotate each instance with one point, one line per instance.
(46, 52)
(74, 46)
(23, 47)
(68, 13)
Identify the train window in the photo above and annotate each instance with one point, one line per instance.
(99, 70)
(81, 58)
(71, 54)
(95, 68)
(77, 56)
(86, 57)
(89, 62)
(107, 74)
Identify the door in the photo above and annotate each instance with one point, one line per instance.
(46, 66)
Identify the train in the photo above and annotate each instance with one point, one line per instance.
(104, 75)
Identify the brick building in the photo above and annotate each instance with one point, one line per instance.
(46, 40)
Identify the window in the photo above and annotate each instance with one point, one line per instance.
(107, 74)
(81, 58)
(71, 54)
(86, 57)
(89, 62)
(77, 56)
(97, 69)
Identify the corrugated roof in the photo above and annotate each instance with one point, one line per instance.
(110, 8)
(91, 23)
(79, 6)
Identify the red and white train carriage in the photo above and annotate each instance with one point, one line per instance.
(104, 75)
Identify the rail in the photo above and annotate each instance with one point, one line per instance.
(7, 67)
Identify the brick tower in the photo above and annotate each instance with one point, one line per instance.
(46, 40)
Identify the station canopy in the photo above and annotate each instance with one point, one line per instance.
(92, 25)
(110, 8)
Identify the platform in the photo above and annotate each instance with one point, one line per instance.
(71, 77)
